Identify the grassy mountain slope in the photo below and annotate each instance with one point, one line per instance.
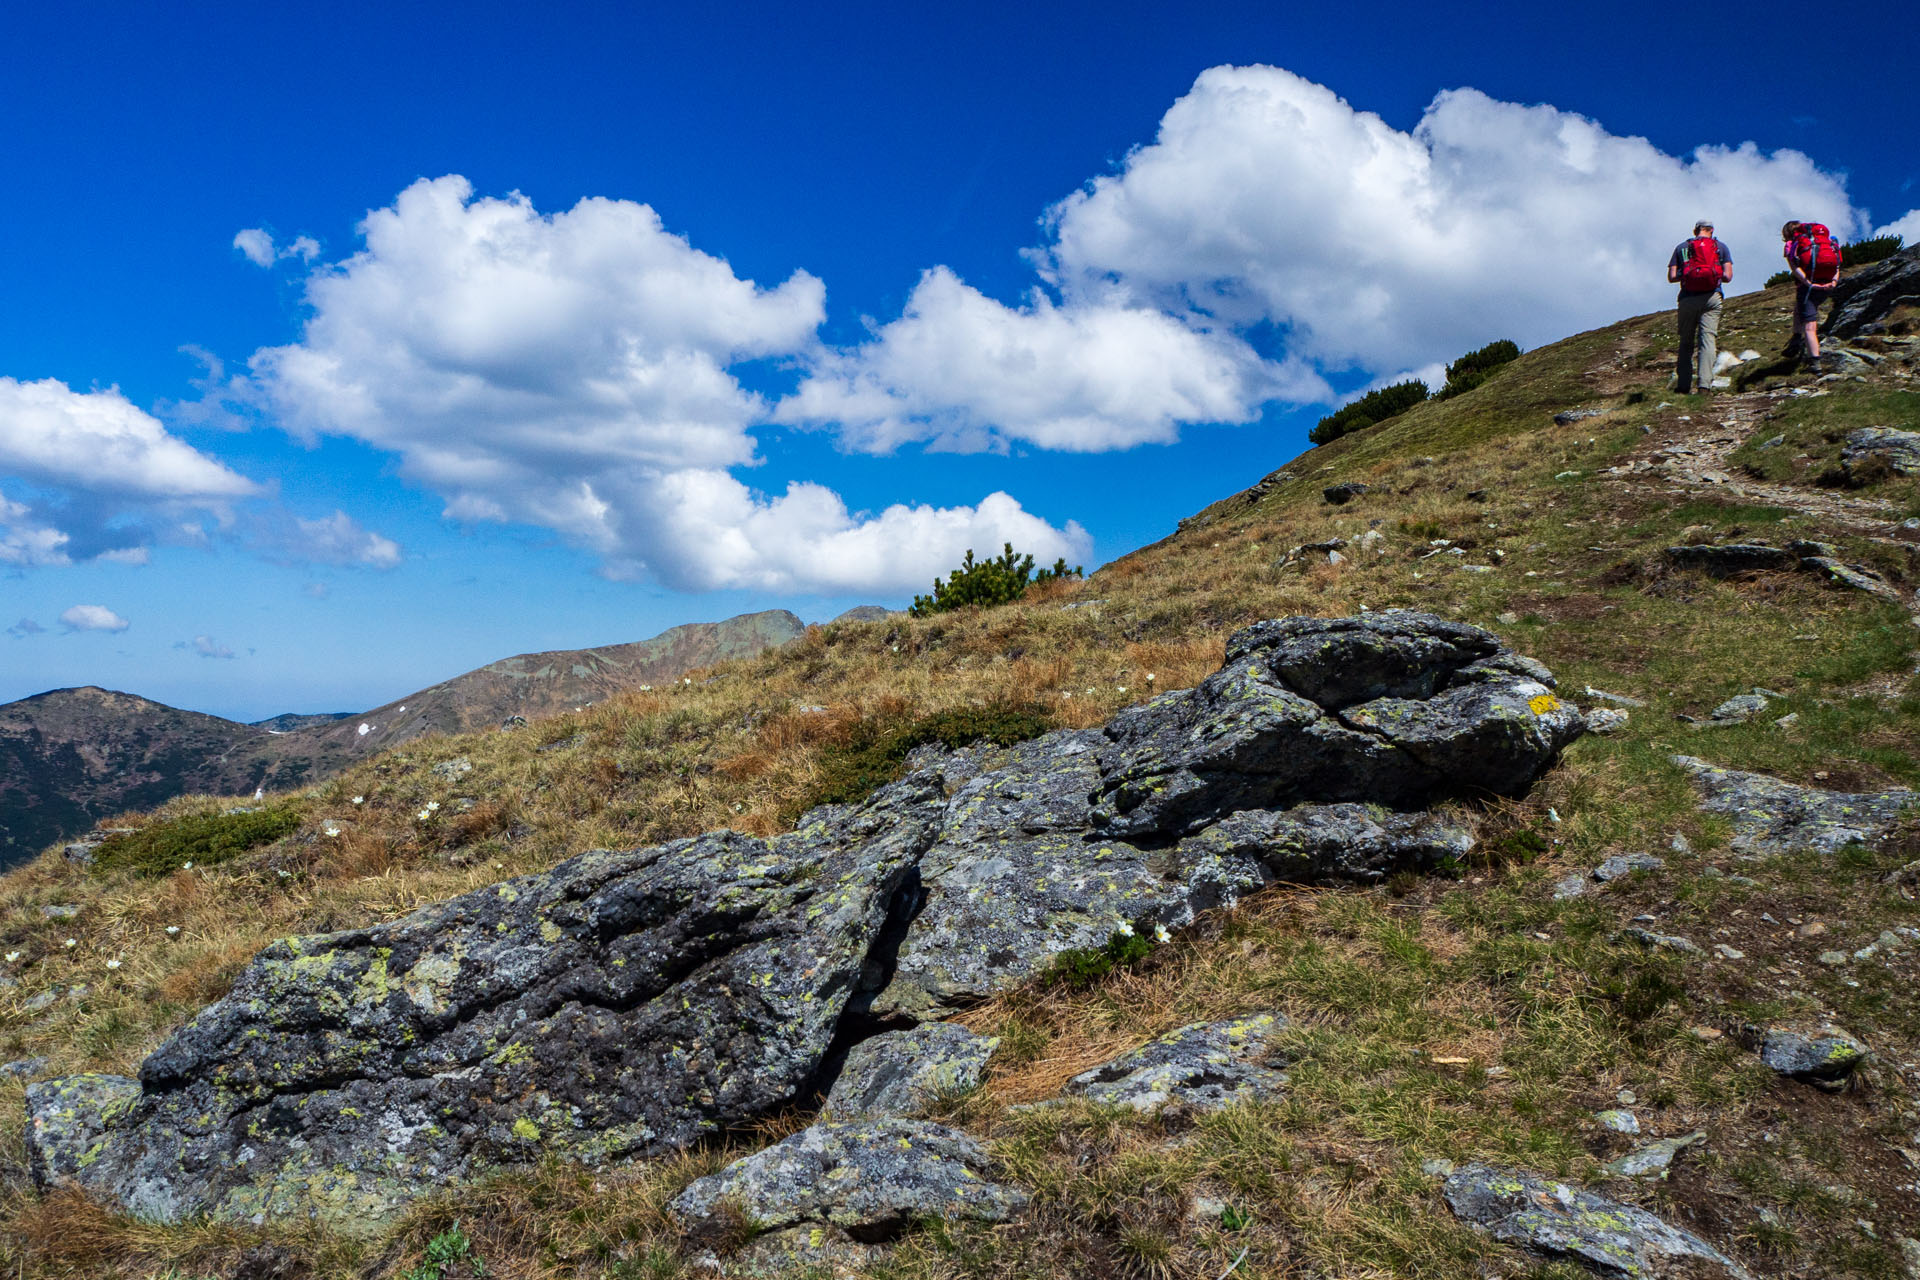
(1475, 1017)
(72, 757)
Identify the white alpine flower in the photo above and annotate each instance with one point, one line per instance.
(71, 943)
(359, 799)
(432, 805)
(12, 956)
(1160, 933)
(113, 963)
(173, 930)
(1125, 930)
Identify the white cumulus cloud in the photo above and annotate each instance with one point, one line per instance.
(1907, 227)
(1268, 199)
(108, 476)
(257, 245)
(340, 539)
(575, 371)
(92, 617)
(963, 371)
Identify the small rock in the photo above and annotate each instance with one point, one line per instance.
(871, 1178)
(21, 1068)
(1205, 1066)
(1661, 941)
(1374, 541)
(450, 770)
(1652, 1159)
(1787, 721)
(1619, 1121)
(1334, 557)
(1508, 618)
(1551, 1218)
(901, 1073)
(1680, 844)
(1824, 1057)
(1738, 710)
(514, 722)
(1773, 443)
(1812, 929)
(1771, 816)
(1624, 864)
(1626, 1097)
(1726, 952)
(1833, 959)
(1437, 1167)
(1341, 494)
(1566, 475)
(1567, 417)
(1617, 699)
(1570, 886)
(60, 911)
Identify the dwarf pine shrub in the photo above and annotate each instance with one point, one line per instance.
(1475, 367)
(1375, 406)
(202, 839)
(988, 582)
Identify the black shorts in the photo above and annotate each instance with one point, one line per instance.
(1806, 302)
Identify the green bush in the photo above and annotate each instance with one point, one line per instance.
(988, 582)
(1081, 967)
(1375, 406)
(877, 753)
(1475, 367)
(204, 839)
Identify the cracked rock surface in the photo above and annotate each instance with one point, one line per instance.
(1771, 816)
(1552, 1218)
(898, 1073)
(625, 1004)
(1206, 1066)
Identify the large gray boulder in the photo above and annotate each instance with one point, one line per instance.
(629, 1003)
(1824, 1057)
(1771, 816)
(869, 1178)
(902, 1073)
(1864, 298)
(1560, 1221)
(622, 1004)
(1392, 708)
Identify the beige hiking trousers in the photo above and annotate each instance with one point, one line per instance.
(1699, 341)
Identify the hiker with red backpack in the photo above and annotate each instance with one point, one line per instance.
(1813, 259)
(1700, 266)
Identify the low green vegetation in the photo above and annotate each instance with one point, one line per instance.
(1082, 967)
(876, 750)
(205, 840)
(1474, 368)
(988, 582)
(1375, 406)
(450, 1255)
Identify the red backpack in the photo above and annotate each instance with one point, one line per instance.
(1700, 266)
(1815, 253)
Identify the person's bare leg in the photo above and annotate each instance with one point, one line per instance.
(1810, 336)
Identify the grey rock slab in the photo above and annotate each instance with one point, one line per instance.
(1732, 558)
(899, 1073)
(1900, 450)
(1853, 577)
(1619, 1121)
(1625, 864)
(1206, 1066)
(1771, 816)
(21, 1068)
(622, 1004)
(1606, 720)
(1615, 699)
(1738, 709)
(1559, 1221)
(1395, 708)
(1826, 1056)
(870, 1178)
(1340, 494)
(452, 770)
(60, 911)
(1570, 886)
(1662, 941)
(1652, 1159)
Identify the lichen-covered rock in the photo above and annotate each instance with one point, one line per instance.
(1898, 450)
(69, 1121)
(621, 1004)
(1725, 560)
(1652, 1159)
(1555, 1219)
(1393, 708)
(1863, 299)
(900, 1072)
(1825, 1057)
(1205, 1066)
(1771, 816)
(869, 1178)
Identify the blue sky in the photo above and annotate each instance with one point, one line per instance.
(346, 350)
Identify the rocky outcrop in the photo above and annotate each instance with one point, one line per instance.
(1882, 447)
(1824, 1057)
(1560, 1221)
(901, 1073)
(627, 1003)
(1863, 299)
(1771, 816)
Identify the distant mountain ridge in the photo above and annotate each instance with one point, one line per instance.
(71, 757)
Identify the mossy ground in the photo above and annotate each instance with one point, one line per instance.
(1465, 1017)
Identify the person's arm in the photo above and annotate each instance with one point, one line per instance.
(1673, 268)
(1726, 263)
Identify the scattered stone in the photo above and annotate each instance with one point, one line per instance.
(1616, 699)
(1625, 864)
(60, 911)
(1569, 886)
(1708, 1034)
(1374, 541)
(514, 722)
(1824, 1057)
(1341, 494)
(454, 769)
(1774, 442)
(870, 1178)
(1770, 816)
(1812, 929)
(1331, 544)
(21, 1068)
(1508, 619)
(43, 1000)
(1737, 710)
(563, 744)
(1626, 1097)
(80, 852)
(1854, 577)
(1661, 941)
(1566, 475)
(1730, 559)
(901, 1073)
(1619, 1121)
(1334, 557)
(1437, 1167)
(1787, 721)
(1680, 844)
(1652, 1159)
(1567, 417)
(1833, 959)
(1726, 952)
(1205, 1066)
(1559, 1221)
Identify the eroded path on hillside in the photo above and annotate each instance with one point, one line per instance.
(1689, 455)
